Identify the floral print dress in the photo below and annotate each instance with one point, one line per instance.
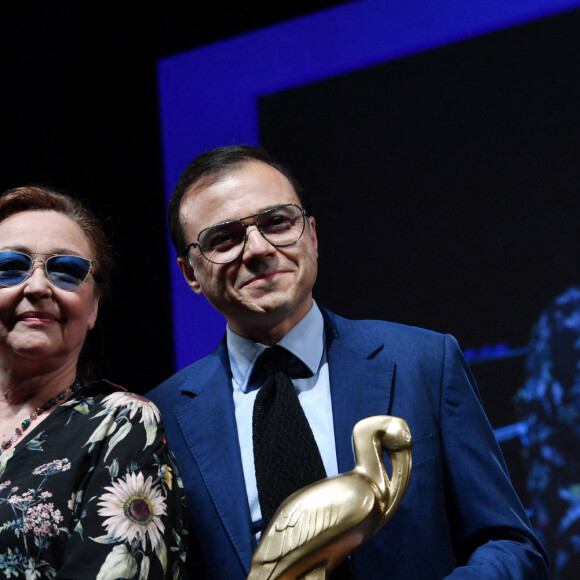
(92, 492)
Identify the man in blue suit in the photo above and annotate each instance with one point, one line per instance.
(460, 517)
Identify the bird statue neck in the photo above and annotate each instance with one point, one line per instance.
(367, 442)
(370, 437)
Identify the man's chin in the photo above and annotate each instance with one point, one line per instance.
(256, 308)
(268, 305)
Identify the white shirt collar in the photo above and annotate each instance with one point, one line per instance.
(305, 341)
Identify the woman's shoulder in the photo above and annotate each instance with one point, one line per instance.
(119, 418)
(109, 411)
(105, 394)
(102, 388)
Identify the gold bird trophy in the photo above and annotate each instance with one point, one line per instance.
(318, 526)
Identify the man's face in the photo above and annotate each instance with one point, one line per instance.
(266, 290)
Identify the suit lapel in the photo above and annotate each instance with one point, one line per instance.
(361, 379)
(209, 426)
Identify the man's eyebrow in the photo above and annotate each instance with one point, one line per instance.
(267, 208)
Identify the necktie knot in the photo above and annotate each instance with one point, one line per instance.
(278, 359)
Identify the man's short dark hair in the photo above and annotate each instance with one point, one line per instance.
(215, 163)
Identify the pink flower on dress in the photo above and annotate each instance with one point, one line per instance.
(23, 500)
(42, 520)
(53, 467)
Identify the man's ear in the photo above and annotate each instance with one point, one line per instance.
(189, 275)
(312, 231)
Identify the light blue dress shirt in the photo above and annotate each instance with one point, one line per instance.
(306, 341)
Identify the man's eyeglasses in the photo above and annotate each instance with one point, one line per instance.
(65, 272)
(281, 226)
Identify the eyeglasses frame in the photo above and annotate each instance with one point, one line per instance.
(246, 226)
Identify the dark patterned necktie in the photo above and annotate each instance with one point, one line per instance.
(286, 457)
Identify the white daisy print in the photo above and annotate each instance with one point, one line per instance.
(134, 403)
(133, 508)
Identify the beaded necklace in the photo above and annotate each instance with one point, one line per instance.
(7, 443)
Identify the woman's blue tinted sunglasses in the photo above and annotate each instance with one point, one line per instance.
(65, 272)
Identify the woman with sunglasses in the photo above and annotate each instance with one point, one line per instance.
(88, 488)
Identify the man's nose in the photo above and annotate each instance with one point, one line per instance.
(256, 243)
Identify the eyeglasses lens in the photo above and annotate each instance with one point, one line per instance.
(14, 268)
(281, 226)
(65, 272)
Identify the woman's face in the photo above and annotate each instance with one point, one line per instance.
(38, 321)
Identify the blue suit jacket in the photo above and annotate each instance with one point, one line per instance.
(460, 516)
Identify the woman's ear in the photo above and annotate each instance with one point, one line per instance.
(94, 311)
